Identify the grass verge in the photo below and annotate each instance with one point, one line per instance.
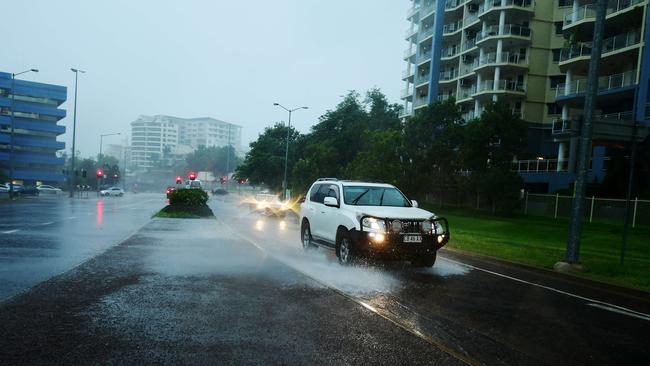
(541, 242)
(184, 212)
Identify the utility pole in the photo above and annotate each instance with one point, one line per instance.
(285, 186)
(74, 130)
(584, 154)
(228, 159)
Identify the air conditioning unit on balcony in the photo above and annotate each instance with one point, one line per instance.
(472, 8)
(467, 59)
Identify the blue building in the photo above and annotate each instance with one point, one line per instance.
(36, 114)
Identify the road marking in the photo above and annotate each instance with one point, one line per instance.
(385, 314)
(10, 231)
(72, 217)
(619, 311)
(591, 302)
(46, 223)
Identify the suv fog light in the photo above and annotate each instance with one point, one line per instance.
(377, 237)
(440, 239)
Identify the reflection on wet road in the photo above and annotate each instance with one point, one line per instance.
(476, 316)
(44, 236)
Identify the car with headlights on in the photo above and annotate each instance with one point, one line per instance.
(47, 189)
(365, 219)
(112, 192)
(269, 204)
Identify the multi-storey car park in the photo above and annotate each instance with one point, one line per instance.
(532, 55)
(36, 113)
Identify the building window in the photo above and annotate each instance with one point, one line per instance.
(553, 108)
(564, 3)
(556, 55)
(556, 80)
(558, 28)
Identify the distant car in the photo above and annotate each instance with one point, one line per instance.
(219, 191)
(27, 191)
(17, 187)
(112, 192)
(193, 184)
(169, 190)
(269, 204)
(4, 188)
(47, 189)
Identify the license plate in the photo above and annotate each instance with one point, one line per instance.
(413, 238)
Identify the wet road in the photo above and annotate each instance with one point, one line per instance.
(239, 289)
(44, 236)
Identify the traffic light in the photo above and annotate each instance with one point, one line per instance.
(100, 173)
(192, 176)
(179, 180)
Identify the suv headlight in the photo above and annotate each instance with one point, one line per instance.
(373, 225)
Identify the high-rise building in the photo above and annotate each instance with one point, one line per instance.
(168, 138)
(532, 55)
(36, 113)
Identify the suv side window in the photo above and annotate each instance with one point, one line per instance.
(333, 191)
(315, 195)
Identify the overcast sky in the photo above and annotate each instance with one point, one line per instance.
(195, 58)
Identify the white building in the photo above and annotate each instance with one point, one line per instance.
(165, 137)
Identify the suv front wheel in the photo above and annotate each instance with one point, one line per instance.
(345, 248)
(306, 236)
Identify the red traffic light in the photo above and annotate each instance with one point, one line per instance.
(100, 173)
(179, 180)
(192, 176)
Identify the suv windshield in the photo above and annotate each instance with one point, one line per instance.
(374, 196)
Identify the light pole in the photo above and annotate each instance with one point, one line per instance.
(101, 140)
(286, 153)
(11, 151)
(74, 129)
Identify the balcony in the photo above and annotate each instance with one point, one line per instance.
(424, 57)
(448, 75)
(445, 97)
(470, 19)
(466, 69)
(422, 79)
(504, 59)
(468, 116)
(427, 11)
(502, 86)
(514, 31)
(450, 28)
(586, 14)
(469, 44)
(406, 93)
(465, 93)
(412, 11)
(607, 127)
(517, 8)
(451, 5)
(425, 34)
(581, 52)
(410, 33)
(605, 84)
(421, 102)
(409, 53)
(449, 52)
(408, 74)
(536, 165)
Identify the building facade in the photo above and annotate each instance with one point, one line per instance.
(171, 138)
(36, 115)
(532, 55)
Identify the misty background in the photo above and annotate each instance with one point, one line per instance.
(228, 60)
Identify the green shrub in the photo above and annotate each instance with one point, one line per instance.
(188, 197)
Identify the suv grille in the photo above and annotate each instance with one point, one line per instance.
(411, 226)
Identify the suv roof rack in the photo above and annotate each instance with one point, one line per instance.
(326, 179)
(364, 181)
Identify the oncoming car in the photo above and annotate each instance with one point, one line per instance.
(269, 204)
(358, 219)
(112, 192)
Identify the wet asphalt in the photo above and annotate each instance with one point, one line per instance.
(240, 290)
(47, 235)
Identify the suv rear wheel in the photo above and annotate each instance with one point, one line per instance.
(306, 236)
(345, 248)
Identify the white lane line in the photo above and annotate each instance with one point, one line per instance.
(72, 217)
(601, 304)
(10, 231)
(46, 223)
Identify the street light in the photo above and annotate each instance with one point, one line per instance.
(74, 128)
(286, 153)
(11, 151)
(101, 138)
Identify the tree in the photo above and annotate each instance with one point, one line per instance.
(264, 163)
(381, 114)
(380, 157)
(213, 159)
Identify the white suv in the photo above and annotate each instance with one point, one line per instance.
(370, 219)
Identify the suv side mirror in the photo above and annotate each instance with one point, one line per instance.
(330, 201)
(414, 203)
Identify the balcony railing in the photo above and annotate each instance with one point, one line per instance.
(610, 44)
(536, 165)
(423, 78)
(468, 116)
(501, 85)
(412, 11)
(410, 52)
(504, 57)
(406, 93)
(470, 43)
(424, 56)
(605, 83)
(452, 27)
(452, 4)
(468, 68)
(589, 11)
(408, 73)
(420, 101)
(508, 30)
(445, 97)
(426, 33)
(410, 32)
(465, 93)
(448, 75)
(426, 10)
(502, 3)
(449, 52)
(471, 18)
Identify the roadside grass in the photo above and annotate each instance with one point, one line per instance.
(541, 242)
(184, 212)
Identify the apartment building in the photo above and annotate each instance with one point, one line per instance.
(36, 114)
(533, 56)
(156, 138)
